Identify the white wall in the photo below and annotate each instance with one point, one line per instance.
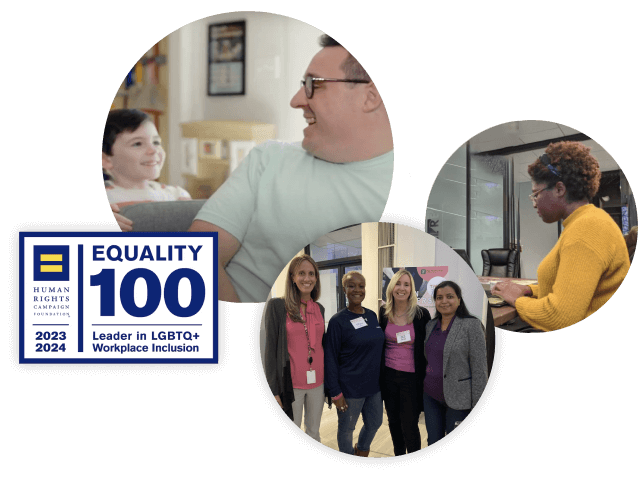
(278, 51)
(414, 248)
(369, 232)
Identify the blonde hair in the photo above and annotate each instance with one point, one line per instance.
(291, 292)
(412, 300)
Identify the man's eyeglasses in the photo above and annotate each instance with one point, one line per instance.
(310, 82)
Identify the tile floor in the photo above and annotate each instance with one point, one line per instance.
(380, 447)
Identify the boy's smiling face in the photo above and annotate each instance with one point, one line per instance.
(135, 157)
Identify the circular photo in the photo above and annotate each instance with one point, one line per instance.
(247, 124)
(377, 340)
(546, 217)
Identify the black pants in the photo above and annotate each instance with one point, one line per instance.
(401, 403)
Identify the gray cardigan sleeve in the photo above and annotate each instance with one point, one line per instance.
(272, 365)
(477, 360)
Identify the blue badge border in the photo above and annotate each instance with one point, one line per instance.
(23, 360)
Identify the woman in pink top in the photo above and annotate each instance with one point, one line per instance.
(294, 357)
(403, 362)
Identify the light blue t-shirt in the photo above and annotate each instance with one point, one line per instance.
(281, 199)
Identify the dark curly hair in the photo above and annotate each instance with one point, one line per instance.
(573, 165)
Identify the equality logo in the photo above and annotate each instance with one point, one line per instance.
(51, 263)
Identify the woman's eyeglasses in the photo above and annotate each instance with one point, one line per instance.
(546, 161)
(534, 196)
(310, 82)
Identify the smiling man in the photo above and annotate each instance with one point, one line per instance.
(284, 196)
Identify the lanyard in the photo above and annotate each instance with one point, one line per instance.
(309, 349)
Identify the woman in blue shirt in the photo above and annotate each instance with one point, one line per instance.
(353, 349)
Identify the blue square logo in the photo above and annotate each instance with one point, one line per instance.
(51, 263)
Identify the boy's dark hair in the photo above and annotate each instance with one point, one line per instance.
(118, 121)
(351, 67)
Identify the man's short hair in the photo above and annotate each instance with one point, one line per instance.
(351, 67)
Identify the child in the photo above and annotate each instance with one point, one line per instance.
(132, 156)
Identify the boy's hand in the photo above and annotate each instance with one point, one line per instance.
(124, 223)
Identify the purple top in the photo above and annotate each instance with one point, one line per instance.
(434, 350)
(399, 356)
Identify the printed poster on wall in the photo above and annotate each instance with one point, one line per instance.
(424, 278)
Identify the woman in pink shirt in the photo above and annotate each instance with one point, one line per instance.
(403, 362)
(294, 357)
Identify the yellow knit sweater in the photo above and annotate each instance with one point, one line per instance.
(580, 273)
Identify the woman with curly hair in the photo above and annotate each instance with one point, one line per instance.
(590, 259)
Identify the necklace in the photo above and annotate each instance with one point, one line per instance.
(398, 316)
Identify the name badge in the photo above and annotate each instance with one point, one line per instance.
(311, 377)
(358, 323)
(403, 336)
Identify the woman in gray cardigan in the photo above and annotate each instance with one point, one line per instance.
(456, 354)
(294, 356)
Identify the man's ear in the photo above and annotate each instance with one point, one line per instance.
(373, 100)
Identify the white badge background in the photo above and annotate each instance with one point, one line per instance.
(200, 323)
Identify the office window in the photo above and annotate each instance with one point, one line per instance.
(446, 217)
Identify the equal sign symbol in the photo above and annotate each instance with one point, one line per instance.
(49, 257)
(51, 263)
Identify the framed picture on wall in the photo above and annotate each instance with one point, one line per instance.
(211, 149)
(226, 66)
